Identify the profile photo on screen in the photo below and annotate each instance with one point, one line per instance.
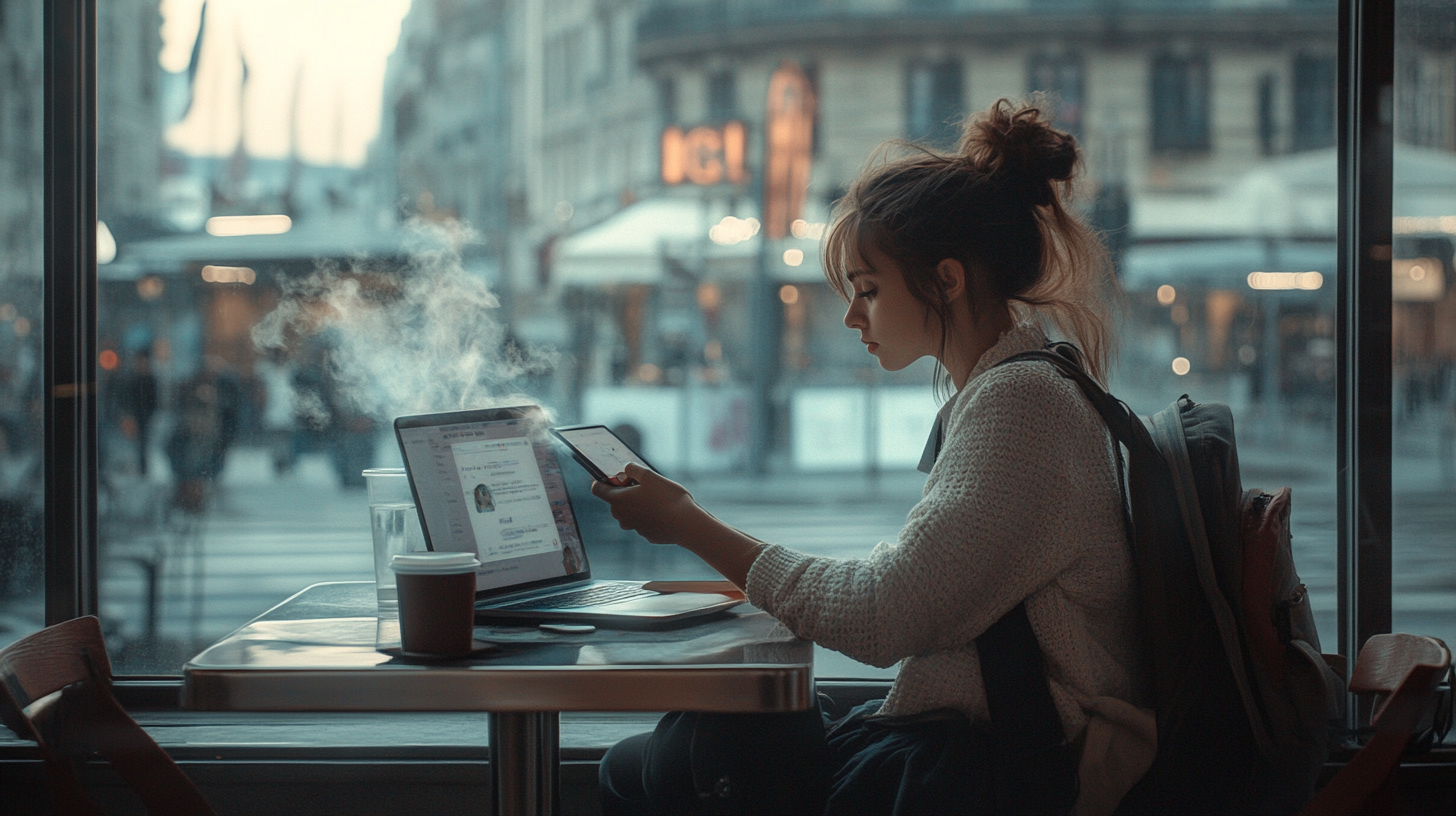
(570, 561)
(484, 501)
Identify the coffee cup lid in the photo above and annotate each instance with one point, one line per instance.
(434, 562)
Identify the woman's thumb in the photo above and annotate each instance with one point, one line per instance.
(636, 471)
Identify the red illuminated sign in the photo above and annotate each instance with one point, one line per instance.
(704, 155)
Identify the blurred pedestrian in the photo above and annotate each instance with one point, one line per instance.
(207, 408)
(279, 409)
(136, 401)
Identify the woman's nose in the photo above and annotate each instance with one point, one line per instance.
(853, 318)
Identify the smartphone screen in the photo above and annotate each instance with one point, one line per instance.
(600, 447)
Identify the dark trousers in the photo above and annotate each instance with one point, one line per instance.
(857, 764)
(719, 764)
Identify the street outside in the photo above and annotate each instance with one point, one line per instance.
(266, 536)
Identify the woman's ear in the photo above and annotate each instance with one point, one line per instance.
(952, 276)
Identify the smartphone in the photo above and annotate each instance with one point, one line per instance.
(600, 451)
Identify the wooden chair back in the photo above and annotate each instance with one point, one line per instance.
(1403, 671)
(55, 690)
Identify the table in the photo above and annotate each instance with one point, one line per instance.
(317, 651)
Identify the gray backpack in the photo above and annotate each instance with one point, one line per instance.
(1246, 705)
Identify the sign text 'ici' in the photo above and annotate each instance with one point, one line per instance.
(704, 155)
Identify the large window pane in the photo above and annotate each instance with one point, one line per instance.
(455, 204)
(22, 476)
(1424, 320)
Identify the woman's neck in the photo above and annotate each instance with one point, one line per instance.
(965, 348)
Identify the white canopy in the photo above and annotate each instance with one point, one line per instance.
(308, 239)
(1293, 197)
(639, 243)
(1221, 264)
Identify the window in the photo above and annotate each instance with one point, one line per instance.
(933, 102)
(1423, 322)
(22, 457)
(667, 332)
(667, 100)
(1426, 114)
(722, 96)
(1179, 113)
(1314, 102)
(1060, 76)
(1268, 128)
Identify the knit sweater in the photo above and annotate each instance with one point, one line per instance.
(1022, 503)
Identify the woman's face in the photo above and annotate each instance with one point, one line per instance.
(893, 325)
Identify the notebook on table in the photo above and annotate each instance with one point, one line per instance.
(489, 482)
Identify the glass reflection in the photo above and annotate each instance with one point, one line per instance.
(22, 469)
(396, 206)
(1423, 473)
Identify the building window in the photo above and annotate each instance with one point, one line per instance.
(722, 96)
(1061, 77)
(933, 102)
(1425, 98)
(1180, 104)
(1266, 115)
(1314, 102)
(667, 100)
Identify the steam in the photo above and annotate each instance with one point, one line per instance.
(418, 338)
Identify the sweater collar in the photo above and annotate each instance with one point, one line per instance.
(1019, 338)
(1015, 340)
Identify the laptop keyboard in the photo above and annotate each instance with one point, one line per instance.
(591, 596)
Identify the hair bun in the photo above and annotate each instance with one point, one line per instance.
(1018, 141)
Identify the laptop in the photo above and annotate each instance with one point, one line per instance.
(489, 482)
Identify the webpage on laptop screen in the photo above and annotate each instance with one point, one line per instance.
(491, 489)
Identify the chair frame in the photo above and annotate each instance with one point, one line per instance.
(55, 690)
(1403, 672)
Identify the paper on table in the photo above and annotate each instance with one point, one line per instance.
(704, 587)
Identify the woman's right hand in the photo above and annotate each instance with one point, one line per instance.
(663, 512)
(656, 507)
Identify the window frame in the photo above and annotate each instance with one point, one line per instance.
(1364, 135)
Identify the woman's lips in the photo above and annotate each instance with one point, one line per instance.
(870, 347)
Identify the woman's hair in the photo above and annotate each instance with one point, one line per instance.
(997, 205)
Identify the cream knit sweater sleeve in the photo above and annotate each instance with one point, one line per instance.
(1022, 503)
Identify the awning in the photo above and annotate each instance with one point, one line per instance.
(1222, 264)
(1293, 197)
(636, 244)
(645, 241)
(308, 240)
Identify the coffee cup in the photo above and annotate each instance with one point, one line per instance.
(436, 602)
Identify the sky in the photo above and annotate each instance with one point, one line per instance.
(314, 68)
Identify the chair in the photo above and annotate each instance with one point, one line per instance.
(55, 690)
(1404, 671)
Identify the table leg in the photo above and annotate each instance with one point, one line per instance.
(525, 762)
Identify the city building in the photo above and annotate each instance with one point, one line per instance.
(1198, 125)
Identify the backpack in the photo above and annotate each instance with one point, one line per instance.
(1246, 706)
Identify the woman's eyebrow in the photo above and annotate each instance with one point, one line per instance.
(855, 274)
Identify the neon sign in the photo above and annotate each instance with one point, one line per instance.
(704, 155)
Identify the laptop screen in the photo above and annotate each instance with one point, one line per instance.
(489, 482)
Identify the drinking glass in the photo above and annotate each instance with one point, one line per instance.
(396, 529)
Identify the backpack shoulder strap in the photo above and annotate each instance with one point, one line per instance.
(1120, 419)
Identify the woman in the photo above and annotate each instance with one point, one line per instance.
(967, 258)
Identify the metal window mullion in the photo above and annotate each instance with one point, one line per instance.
(1363, 326)
(69, 332)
